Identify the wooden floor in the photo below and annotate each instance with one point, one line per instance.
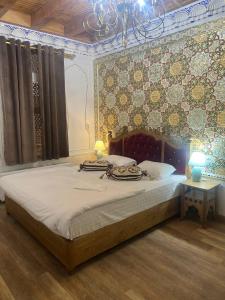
(178, 260)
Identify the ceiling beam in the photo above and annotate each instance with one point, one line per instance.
(16, 17)
(5, 5)
(46, 13)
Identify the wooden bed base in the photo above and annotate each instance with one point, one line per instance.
(72, 253)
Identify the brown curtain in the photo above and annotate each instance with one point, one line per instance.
(17, 101)
(52, 102)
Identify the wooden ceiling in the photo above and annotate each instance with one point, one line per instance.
(62, 17)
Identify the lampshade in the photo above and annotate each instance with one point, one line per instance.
(197, 159)
(99, 146)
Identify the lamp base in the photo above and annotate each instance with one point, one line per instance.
(196, 174)
(99, 154)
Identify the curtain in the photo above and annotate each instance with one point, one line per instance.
(52, 102)
(17, 101)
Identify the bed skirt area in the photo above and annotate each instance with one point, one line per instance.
(72, 253)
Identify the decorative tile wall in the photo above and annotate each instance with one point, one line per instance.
(177, 87)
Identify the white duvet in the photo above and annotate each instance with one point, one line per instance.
(57, 196)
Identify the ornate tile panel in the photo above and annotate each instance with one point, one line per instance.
(177, 87)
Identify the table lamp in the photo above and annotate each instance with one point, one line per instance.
(197, 161)
(99, 147)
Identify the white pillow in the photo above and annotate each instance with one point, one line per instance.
(157, 170)
(119, 161)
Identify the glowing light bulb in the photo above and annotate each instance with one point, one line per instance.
(141, 3)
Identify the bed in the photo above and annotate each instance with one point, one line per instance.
(77, 215)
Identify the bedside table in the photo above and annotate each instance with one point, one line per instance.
(201, 195)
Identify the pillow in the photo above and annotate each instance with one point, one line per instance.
(118, 160)
(125, 173)
(95, 165)
(157, 170)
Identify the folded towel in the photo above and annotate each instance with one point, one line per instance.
(86, 186)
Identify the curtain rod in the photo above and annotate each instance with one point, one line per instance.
(66, 55)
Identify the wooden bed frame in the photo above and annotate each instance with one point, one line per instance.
(72, 253)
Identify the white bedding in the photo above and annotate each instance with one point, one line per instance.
(72, 203)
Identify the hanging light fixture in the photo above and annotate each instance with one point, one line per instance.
(112, 18)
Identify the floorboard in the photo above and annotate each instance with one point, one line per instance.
(177, 260)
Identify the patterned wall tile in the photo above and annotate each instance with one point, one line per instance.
(177, 87)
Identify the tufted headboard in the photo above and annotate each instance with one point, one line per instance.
(146, 145)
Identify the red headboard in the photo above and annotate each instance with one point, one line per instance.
(145, 145)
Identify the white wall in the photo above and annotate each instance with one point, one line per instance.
(80, 97)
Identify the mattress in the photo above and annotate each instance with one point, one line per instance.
(72, 203)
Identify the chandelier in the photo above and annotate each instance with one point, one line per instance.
(119, 18)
